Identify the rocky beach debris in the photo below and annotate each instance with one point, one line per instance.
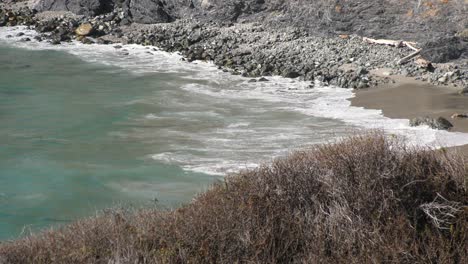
(234, 39)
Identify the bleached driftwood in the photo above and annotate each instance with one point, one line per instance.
(398, 44)
(409, 57)
(411, 45)
(394, 43)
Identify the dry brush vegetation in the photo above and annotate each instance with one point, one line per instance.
(369, 199)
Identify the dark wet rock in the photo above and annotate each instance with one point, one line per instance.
(288, 73)
(362, 85)
(102, 41)
(25, 39)
(458, 115)
(55, 41)
(20, 34)
(362, 71)
(86, 40)
(252, 81)
(263, 79)
(435, 123)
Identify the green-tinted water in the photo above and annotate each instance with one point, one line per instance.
(61, 150)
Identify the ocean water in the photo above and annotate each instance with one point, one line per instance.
(87, 127)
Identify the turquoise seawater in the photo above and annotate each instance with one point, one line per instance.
(61, 154)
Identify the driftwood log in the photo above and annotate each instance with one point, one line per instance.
(398, 44)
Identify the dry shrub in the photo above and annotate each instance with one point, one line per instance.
(369, 199)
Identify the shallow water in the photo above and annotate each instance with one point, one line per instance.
(85, 127)
(66, 144)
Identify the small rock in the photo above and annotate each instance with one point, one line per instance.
(102, 41)
(125, 22)
(442, 79)
(252, 80)
(263, 79)
(343, 36)
(362, 85)
(290, 74)
(55, 41)
(362, 71)
(464, 91)
(87, 41)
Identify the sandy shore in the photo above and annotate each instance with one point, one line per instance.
(409, 98)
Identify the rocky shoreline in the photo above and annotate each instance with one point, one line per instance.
(250, 49)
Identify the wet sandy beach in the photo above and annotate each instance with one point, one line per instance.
(408, 98)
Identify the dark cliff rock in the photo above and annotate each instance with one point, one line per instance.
(80, 7)
(149, 11)
(435, 25)
(444, 49)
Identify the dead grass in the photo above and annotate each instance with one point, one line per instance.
(369, 199)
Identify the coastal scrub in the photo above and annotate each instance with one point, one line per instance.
(368, 199)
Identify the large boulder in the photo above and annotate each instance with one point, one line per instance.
(84, 29)
(80, 7)
(434, 123)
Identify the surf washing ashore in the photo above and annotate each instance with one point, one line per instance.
(99, 110)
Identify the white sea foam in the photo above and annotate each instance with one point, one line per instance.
(152, 116)
(240, 124)
(242, 135)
